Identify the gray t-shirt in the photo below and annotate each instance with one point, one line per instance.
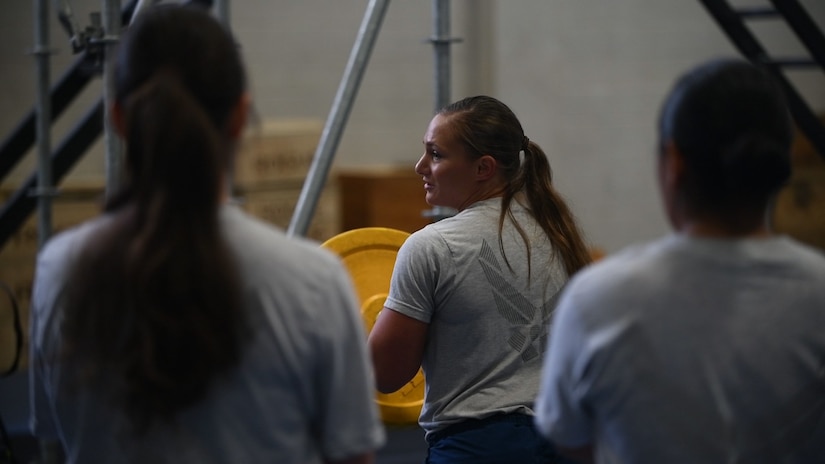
(487, 322)
(303, 389)
(692, 350)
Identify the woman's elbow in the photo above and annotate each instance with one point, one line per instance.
(388, 385)
(389, 374)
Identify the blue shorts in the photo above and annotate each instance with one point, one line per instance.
(501, 439)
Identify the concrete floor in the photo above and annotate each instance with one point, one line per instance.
(405, 445)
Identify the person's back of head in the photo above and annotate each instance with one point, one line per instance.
(727, 120)
(153, 305)
(190, 63)
(488, 127)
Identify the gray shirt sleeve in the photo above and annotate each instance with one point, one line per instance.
(421, 264)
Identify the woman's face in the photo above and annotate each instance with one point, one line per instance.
(448, 171)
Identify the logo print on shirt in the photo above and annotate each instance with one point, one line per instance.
(528, 324)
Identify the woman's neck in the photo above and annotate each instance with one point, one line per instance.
(730, 227)
(484, 192)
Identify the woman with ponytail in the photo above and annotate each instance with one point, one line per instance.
(175, 328)
(472, 296)
(705, 345)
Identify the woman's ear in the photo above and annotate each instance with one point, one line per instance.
(671, 167)
(238, 117)
(486, 167)
(671, 180)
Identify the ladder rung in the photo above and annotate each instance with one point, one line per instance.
(757, 12)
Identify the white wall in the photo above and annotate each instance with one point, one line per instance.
(586, 78)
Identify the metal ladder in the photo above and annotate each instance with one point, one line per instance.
(68, 152)
(733, 21)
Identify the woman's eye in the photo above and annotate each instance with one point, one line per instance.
(435, 155)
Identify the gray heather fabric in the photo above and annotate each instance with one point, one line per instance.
(488, 324)
(303, 389)
(692, 351)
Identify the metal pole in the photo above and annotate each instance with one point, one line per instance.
(111, 141)
(337, 118)
(44, 189)
(139, 8)
(441, 44)
(222, 11)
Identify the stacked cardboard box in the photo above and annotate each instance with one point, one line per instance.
(276, 150)
(275, 203)
(799, 209)
(270, 169)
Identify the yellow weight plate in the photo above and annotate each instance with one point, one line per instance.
(369, 256)
(371, 308)
(402, 406)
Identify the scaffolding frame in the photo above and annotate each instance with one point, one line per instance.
(347, 92)
(51, 167)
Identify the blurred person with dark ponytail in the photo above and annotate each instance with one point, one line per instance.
(471, 296)
(706, 345)
(174, 327)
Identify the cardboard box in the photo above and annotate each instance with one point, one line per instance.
(275, 150)
(799, 209)
(383, 196)
(803, 153)
(275, 203)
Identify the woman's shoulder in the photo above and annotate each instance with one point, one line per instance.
(431, 236)
(626, 267)
(256, 241)
(71, 240)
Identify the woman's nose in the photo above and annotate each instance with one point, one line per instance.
(420, 165)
